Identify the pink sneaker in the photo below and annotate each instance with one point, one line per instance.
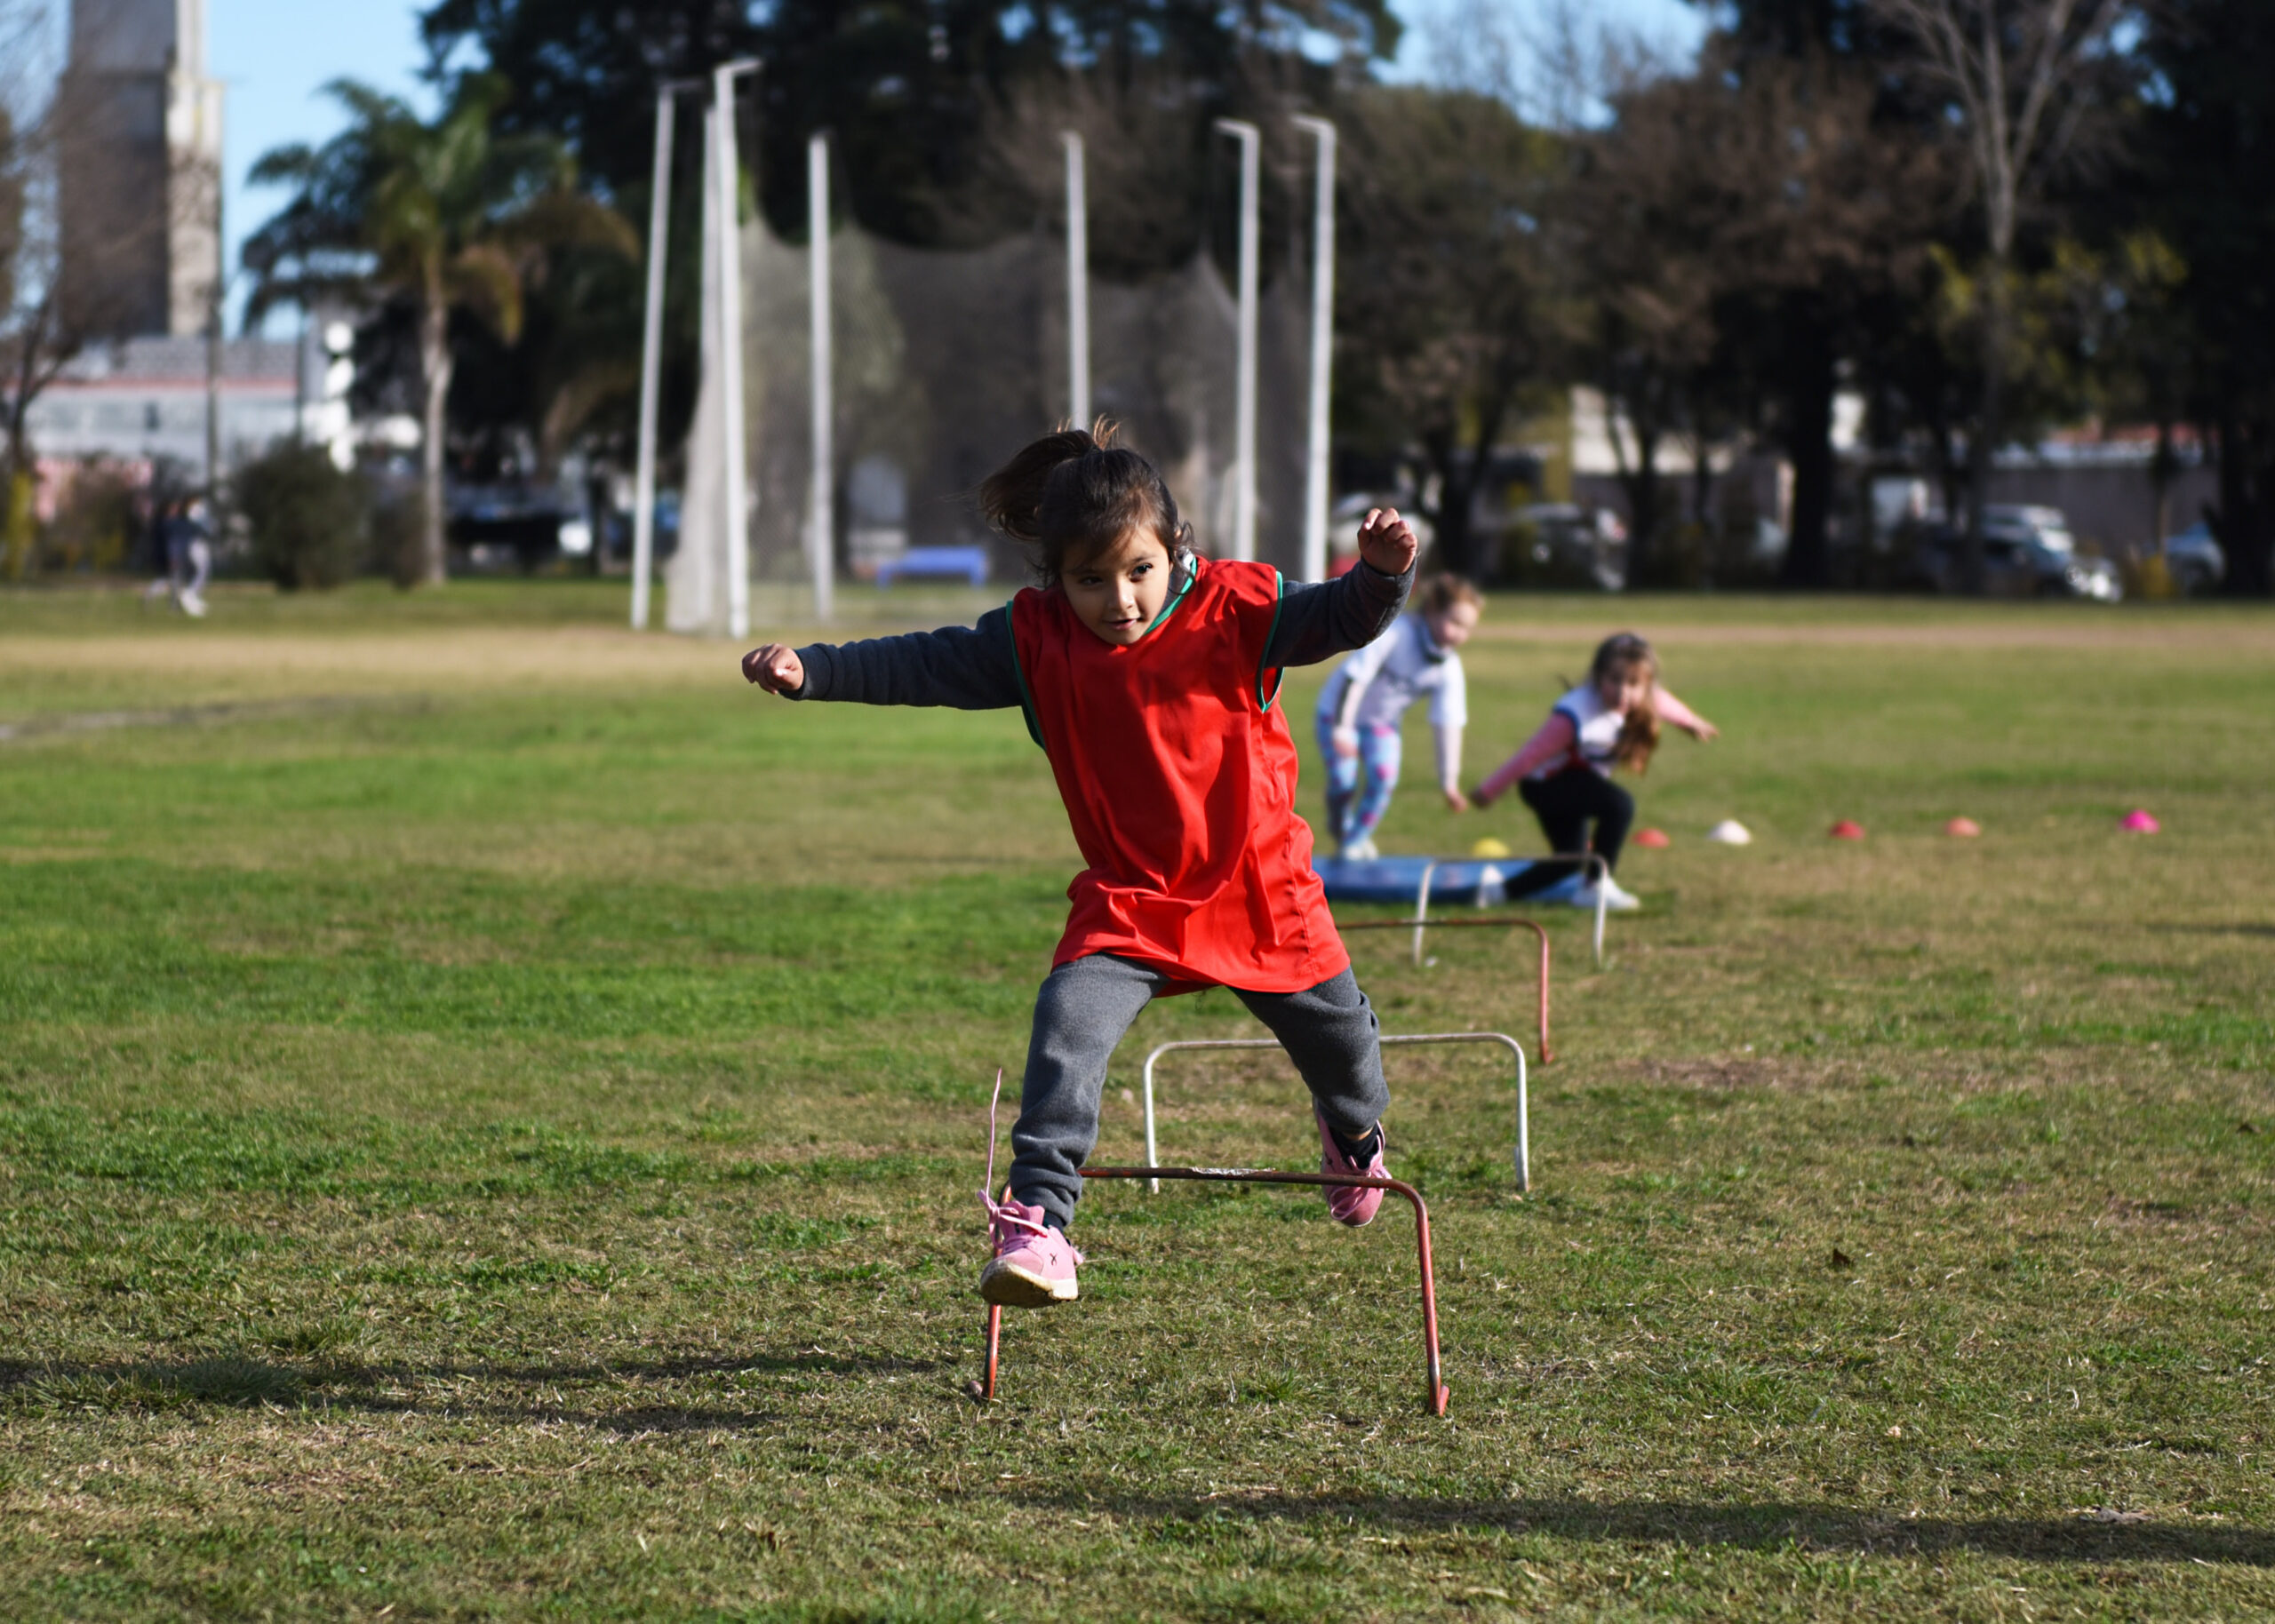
(1034, 1265)
(1355, 1208)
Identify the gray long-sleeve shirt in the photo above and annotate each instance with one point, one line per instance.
(973, 668)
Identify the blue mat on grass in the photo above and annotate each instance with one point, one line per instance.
(1482, 883)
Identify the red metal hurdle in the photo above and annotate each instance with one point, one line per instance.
(1389, 1040)
(1436, 1394)
(1591, 863)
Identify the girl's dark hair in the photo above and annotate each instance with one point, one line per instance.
(1075, 491)
(1616, 656)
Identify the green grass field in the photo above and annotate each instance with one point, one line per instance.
(490, 1112)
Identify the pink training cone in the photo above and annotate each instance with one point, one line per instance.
(2142, 821)
(1654, 839)
(1962, 829)
(1846, 830)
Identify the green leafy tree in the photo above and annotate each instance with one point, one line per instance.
(442, 215)
(1452, 288)
(919, 97)
(905, 87)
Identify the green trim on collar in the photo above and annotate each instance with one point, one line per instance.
(1176, 598)
(1026, 695)
(1279, 600)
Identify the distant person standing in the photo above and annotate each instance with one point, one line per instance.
(198, 555)
(186, 544)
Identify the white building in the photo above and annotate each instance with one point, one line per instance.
(145, 400)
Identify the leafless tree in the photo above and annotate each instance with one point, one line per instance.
(56, 148)
(2023, 75)
(28, 259)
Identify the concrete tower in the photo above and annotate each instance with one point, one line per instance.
(139, 170)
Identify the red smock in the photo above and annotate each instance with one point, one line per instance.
(1179, 778)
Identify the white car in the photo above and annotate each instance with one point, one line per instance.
(2039, 542)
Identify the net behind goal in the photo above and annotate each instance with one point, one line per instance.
(944, 361)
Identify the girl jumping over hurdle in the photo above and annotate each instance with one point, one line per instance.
(1564, 771)
(1148, 676)
(1362, 703)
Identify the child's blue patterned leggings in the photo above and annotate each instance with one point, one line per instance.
(1359, 787)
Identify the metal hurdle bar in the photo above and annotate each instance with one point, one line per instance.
(1592, 863)
(1524, 1130)
(1548, 1055)
(1436, 1394)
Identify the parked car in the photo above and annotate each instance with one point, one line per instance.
(1562, 540)
(2195, 561)
(2027, 552)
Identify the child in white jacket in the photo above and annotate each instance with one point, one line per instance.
(1361, 705)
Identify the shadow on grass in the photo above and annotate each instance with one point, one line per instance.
(1771, 1526)
(233, 1380)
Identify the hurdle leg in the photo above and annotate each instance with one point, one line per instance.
(1603, 873)
(995, 1345)
(1436, 1394)
(1422, 910)
(1546, 1055)
(1152, 1151)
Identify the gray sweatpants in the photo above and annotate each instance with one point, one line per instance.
(1086, 1006)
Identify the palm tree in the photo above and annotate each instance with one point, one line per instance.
(443, 216)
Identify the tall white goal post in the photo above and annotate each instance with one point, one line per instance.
(1316, 447)
(1252, 143)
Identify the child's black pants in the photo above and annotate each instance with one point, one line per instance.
(1566, 803)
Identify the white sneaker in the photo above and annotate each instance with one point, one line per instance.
(1360, 851)
(1614, 900)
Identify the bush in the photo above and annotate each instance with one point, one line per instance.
(308, 520)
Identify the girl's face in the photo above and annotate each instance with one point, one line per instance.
(1624, 689)
(1450, 629)
(1118, 589)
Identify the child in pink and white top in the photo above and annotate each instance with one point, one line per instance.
(1564, 771)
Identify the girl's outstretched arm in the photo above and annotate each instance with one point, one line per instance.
(1553, 739)
(967, 668)
(1677, 715)
(1318, 623)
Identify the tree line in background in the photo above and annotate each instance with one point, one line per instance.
(1981, 217)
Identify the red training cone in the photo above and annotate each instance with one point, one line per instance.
(2141, 822)
(1962, 828)
(1846, 830)
(1655, 839)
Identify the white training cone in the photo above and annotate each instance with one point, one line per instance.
(1729, 832)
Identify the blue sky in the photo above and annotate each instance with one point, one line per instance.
(276, 56)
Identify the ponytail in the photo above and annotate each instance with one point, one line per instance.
(1074, 491)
